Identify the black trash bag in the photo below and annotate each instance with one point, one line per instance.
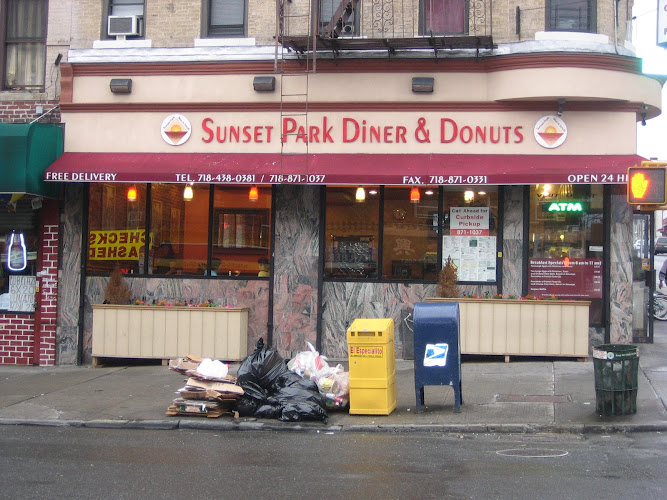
(299, 398)
(253, 397)
(272, 391)
(262, 367)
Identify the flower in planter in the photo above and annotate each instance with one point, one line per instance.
(497, 295)
(177, 303)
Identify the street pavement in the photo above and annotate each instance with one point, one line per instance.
(522, 396)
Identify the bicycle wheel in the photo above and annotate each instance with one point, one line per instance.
(660, 308)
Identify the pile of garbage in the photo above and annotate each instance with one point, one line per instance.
(265, 386)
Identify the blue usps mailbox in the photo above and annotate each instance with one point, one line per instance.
(437, 348)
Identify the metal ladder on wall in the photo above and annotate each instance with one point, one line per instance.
(294, 86)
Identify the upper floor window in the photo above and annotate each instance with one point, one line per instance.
(24, 44)
(443, 17)
(571, 15)
(226, 18)
(327, 10)
(130, 20)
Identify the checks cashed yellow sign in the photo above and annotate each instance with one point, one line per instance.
(116, 245)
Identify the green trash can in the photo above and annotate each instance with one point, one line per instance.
(616, 368)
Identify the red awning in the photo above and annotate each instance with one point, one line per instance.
(368, 169)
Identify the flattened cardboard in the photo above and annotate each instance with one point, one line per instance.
(222, 387)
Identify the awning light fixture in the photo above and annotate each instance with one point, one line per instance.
(415, 195)
(188, 193)
(360, 195)
(253, 194)
(132, 193)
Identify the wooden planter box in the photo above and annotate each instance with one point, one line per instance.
(523, 327)
(169, 332)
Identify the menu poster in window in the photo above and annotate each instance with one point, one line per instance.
(572, 278)
(474, 256)
(469, 221)
(22, 293)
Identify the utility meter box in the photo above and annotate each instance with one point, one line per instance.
(370, 347)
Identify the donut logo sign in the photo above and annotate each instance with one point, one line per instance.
(550, 131)
(176, 130)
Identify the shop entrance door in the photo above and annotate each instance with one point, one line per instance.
(644, 276)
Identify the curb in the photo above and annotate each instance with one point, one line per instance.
(358, 428)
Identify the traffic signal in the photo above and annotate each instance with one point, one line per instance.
(646, 186)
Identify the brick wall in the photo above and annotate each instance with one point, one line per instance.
(18, 332)
(22, 111)
(16, 339)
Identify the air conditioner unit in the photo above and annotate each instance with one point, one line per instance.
(124, 25)
(348, 29)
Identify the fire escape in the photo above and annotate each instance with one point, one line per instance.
(362, 25)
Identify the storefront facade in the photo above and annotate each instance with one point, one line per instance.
(511, 183)
(29, 227)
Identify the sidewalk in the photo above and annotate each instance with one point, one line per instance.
(520, 396)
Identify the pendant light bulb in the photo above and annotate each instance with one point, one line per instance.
(188, 194)
(253, 194)
(415, 195)
(360, 195)
(132, 193)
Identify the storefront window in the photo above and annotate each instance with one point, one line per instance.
(116, 227)
(566, 243)
(399, 228)
(241, 233)
(470, 229)
(410, 236)
(352, 232)
(19, 241)
(184, 236)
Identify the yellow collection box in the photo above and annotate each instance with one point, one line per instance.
(370, 347)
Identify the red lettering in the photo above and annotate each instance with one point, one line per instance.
(133, 253)
(112, 252)
(353, 123)
(518, 134)
(204, 125)
(234, 133)
(400, 134)
(221, 137)
(443, 129)
(101, 252)
(102, 238)
(123, 237)
(289, 126)
(375, 133)
(507, 134)
(326, 131)
(91, 239)
(113, 238)
(257, 137)
(387, 134)
(480, 134)
(466, 134)
(135, 237)
(301, 134)
(268, 133)
(246, 134)
(495, 140)
(314, 135)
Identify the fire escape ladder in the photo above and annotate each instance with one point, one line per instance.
(293, 69)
